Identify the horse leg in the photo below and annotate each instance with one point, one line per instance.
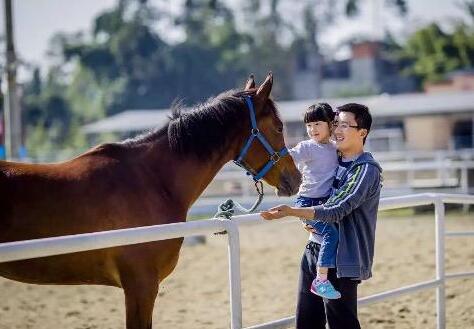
(142, 269)
(140, 295)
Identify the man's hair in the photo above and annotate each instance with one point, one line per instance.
(319, 112)
(361, 113)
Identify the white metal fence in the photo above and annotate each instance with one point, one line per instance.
(75, 243)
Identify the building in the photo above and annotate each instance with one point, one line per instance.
(455, 81)
(369, 71)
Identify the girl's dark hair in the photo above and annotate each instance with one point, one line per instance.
(319, 112)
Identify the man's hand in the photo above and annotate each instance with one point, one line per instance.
(284, 210)
(276, 212)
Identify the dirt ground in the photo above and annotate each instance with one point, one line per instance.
(196, 295)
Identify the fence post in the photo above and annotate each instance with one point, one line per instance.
(464, 184)
(440, 270)
(234, 275)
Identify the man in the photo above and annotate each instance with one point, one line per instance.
(353, 208)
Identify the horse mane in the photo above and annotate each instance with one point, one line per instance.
(207, 128)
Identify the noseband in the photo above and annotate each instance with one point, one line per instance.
(255, 133)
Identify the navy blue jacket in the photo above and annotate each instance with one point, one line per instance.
(353, 206)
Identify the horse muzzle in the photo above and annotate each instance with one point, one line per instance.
(289, 183)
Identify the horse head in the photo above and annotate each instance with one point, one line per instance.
(264, 154)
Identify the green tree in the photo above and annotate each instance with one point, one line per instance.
(303, 31)
(127, 64)
(468, 7)
(434, 53)
(47, 113)
(146, 72)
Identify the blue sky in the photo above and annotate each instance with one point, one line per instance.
(37, 20)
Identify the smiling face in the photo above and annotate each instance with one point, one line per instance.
(349, 138)
(318, 131)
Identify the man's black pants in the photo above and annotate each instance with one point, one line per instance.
(312, 311)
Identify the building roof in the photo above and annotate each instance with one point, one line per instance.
(381, 106)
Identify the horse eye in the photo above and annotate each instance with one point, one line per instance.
(280, 130)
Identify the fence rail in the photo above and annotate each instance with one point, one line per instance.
(21, 250)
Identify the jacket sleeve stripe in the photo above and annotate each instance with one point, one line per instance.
(347, 189)
(351, 188)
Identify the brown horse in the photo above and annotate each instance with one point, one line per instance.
(151, 179)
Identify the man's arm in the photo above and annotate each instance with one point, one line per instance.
(350, 196)
(284, 210)
(347, 198)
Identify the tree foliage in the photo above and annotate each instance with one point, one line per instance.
(127, 63)
(434, 52)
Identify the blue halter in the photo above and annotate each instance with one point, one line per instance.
(255, 133)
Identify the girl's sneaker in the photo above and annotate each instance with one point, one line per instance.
(324, 289)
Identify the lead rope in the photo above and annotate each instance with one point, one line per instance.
(226, 210)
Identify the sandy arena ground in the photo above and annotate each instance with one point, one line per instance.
(195, 296)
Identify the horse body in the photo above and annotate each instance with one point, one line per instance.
(113, 186)
(88, 195)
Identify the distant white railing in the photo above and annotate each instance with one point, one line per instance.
(82, 242)
(445, 175)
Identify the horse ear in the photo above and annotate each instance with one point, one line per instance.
(265, 89)
(250, 83)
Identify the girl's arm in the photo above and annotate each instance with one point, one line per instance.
(299, 153)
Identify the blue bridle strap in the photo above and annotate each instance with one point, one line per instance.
(255, 133)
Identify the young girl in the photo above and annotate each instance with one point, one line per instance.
(316, 158)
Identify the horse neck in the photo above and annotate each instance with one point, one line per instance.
(185, 177)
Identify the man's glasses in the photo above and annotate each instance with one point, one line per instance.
(343, 125)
